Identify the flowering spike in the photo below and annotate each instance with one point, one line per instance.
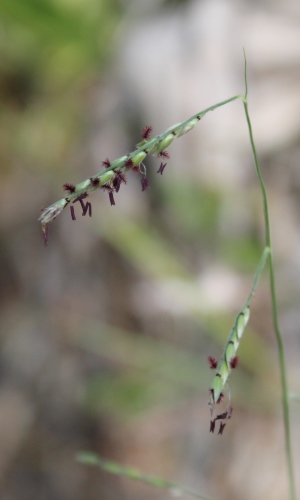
(146, 132)
(212, 426)
(224, 366)
(212, 362)
(131, 161)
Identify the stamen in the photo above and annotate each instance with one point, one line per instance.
(161, 168)
(72, 212)
(222, 427)
(144, 183)
(111, 198)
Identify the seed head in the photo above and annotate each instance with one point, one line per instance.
(229, 359)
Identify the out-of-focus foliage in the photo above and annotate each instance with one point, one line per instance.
(51, 53)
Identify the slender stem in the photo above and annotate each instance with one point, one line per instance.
(89, 458)
(280, 345)
(260, 268)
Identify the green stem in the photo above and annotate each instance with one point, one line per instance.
(88, 458)
(280, 345)
(260, 268)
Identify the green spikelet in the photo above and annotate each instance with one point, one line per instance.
(224, 366)
(165, 142)
(106, 177)
(138, 158)
(189, 126)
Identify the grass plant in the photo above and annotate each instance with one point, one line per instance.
(110, 179)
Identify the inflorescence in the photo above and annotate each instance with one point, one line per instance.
(228, 362)
(113, 175)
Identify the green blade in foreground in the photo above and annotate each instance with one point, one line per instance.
(88, 458)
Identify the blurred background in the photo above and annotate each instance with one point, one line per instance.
(105, 333)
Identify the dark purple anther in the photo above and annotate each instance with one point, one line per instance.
(72, 212)
(161, 168)
(222, 427)
(145, 183)
(111, 198)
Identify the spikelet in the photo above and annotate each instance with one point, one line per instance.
(164, 143)
(189, 126)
